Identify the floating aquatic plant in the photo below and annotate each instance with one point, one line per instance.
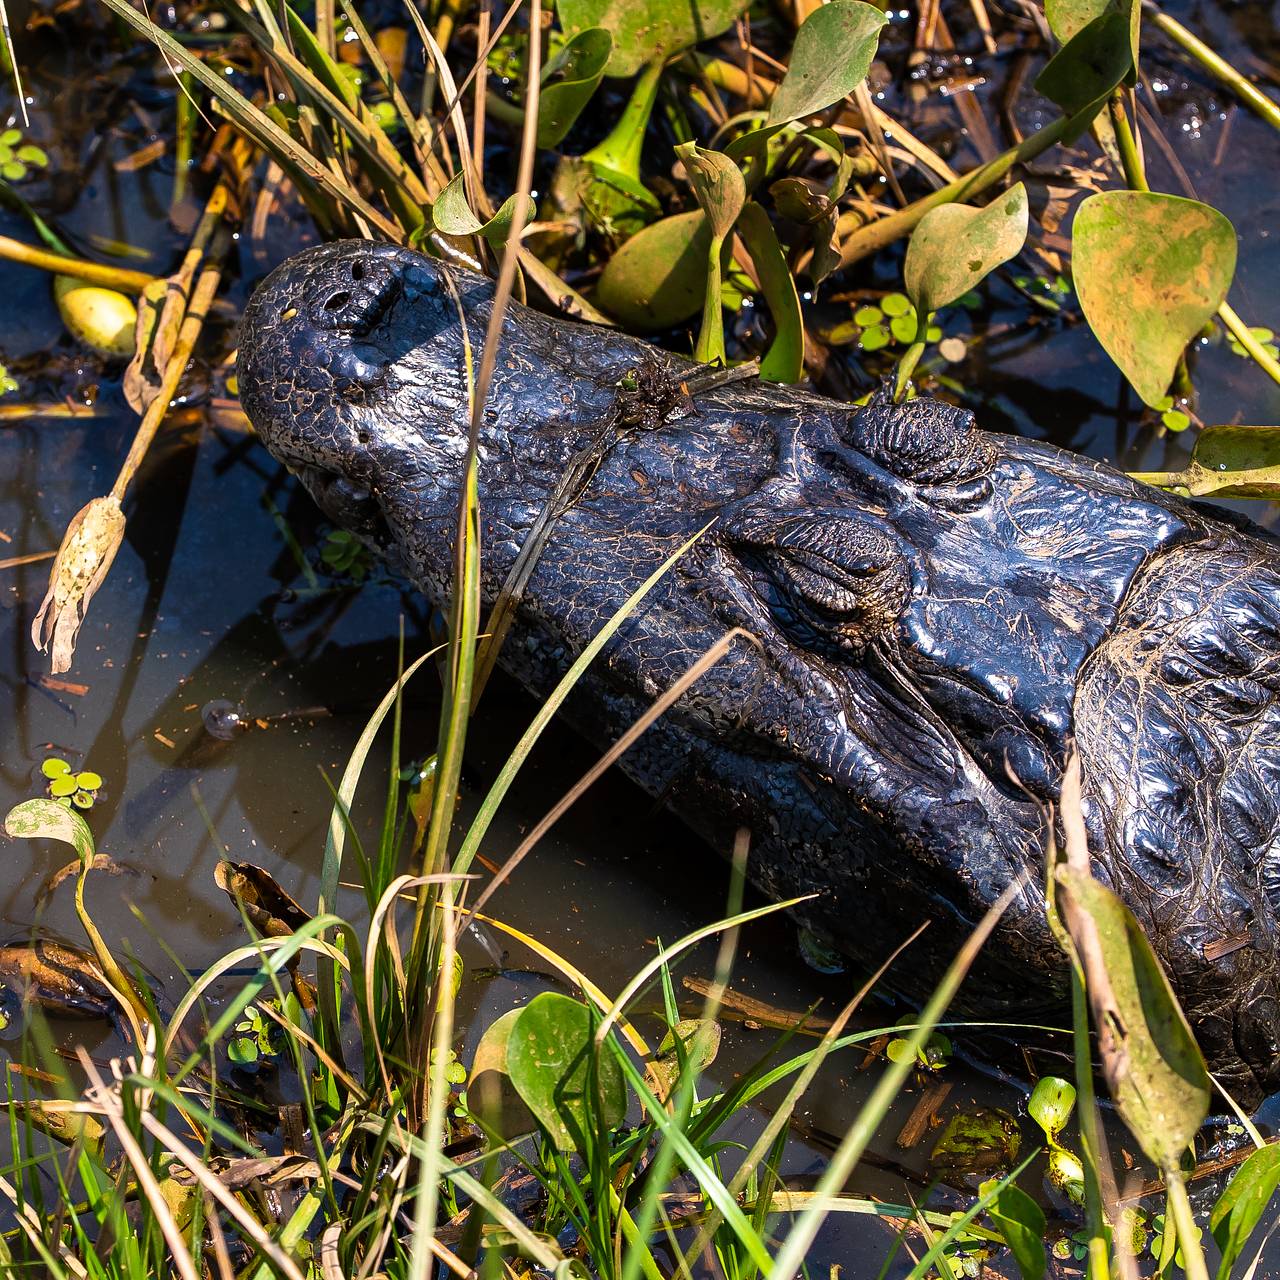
(69, 787)
(17, 158)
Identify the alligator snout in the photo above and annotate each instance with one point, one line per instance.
(348, 289)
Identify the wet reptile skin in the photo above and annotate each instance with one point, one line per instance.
(935, 607)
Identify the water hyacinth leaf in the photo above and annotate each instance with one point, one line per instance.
(784, 360)
(1050, 1105)
(452, 215)
(1085, 71)
(831, 56)
(1067, 18)
(569, 79)
(1153, 1066)
(1227, 462)
(658, 278)
(647, 29)
(718, 185)
(1022, 1224)
(1242, 1204)
(572, 1091)
(955, 246)
(721, 192)
(1176, 258)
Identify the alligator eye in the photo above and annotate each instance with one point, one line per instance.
(924, 441)
(830, 577)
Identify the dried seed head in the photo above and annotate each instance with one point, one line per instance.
(88, 547)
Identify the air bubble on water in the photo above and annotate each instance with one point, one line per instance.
(223, 719)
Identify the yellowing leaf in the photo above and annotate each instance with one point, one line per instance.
(1175, 258)
(1152, 1064)
(955, 246)
(1228, 462)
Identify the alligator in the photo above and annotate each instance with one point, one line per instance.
(936, 618)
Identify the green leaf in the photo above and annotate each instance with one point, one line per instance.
(1085, 70)
(55, 768)
(1153, 1066)
(1050, 1105)
(903, 327)
(784, 360)
(831, 56)
(647, 29)
(1176, 258)
(568, 81)
(955, 246)
(895, 304)
(717, 183)
(242, 1050)
(1242, 1203)
(1227, 462)
(89, 780)
(1021, 1222)
(321, 65)
(658, 278)
(1067, 18)
(452, 215)
(874, 337)
(574, 1092)
(42, 819)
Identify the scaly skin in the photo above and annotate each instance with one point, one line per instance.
(936, 609)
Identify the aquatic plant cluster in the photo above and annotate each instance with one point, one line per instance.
(588, 1134)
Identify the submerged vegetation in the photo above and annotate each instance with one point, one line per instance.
(303, 1110)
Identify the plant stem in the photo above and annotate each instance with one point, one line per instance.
(710, 347)
(192, 323)
(620, 151)
(876, 235)
(1245, 337)
(1130, 158)
(1185, 1224)
(122, 278)
(1216, 65)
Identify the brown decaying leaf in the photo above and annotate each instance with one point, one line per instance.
(269, 908)
(89, 546)
(60, 979)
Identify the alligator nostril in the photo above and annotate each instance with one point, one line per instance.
(357, 270)
(336, 300)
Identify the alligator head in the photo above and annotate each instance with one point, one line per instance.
(936, 616)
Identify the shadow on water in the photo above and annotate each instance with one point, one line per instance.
(208, 604)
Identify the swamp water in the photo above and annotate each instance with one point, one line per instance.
(219, 596)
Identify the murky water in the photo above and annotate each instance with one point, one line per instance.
(208, 600)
